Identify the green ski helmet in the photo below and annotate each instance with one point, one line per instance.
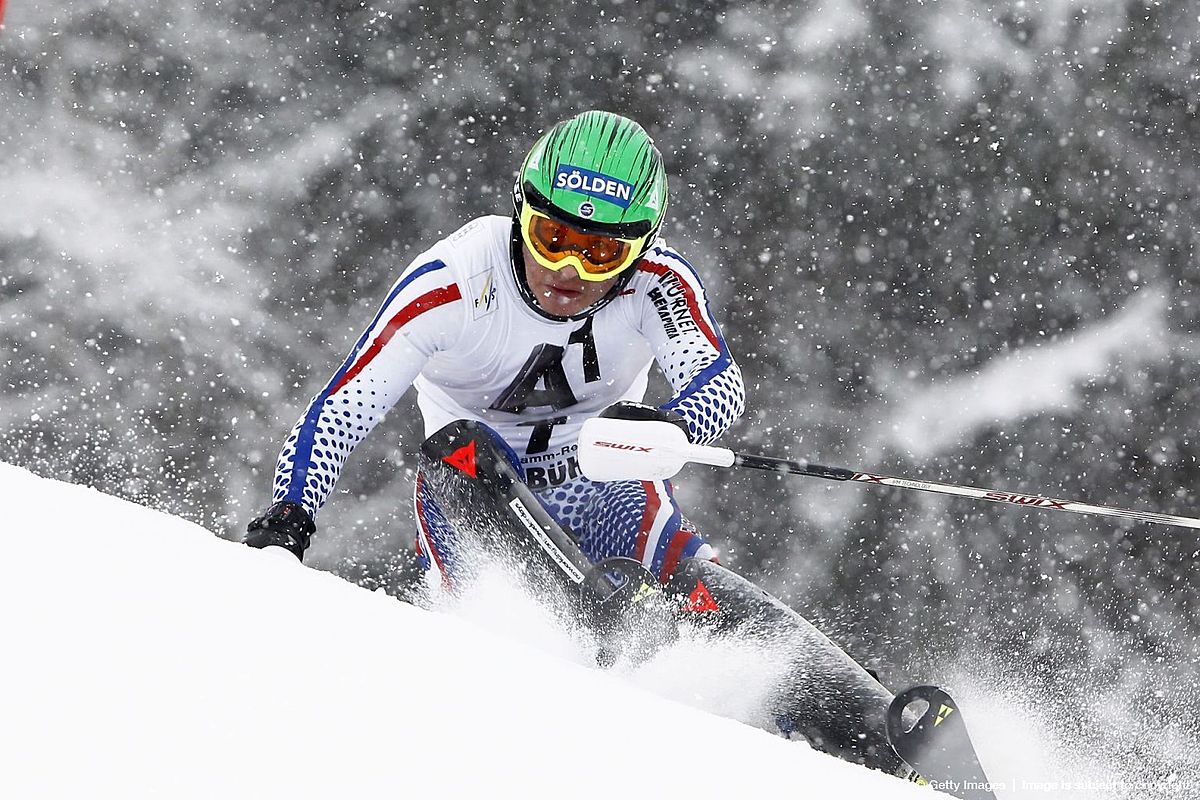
(600, 175)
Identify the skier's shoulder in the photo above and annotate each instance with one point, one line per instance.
(481, 234)
(454, 259)
(664, 268)
(477, 247)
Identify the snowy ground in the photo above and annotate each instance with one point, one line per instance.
(143, 657)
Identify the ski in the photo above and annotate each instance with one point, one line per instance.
(937, 746)
(822, 694)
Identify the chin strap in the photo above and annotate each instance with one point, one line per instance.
(517, 262)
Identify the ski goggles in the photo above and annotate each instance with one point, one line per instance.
(555, 245)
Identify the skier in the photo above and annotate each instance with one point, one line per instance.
(531, 324)
(517, 330)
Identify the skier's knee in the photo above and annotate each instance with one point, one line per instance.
(486, 433)
(685, 544)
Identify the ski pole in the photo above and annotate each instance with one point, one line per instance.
(616, 449)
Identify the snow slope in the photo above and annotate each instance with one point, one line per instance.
(144, 657)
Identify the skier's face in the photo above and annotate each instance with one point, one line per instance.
(562, 293)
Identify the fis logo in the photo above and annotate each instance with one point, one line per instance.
(487, 295)
(585, 181)
(483, 287)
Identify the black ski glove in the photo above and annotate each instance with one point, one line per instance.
(643, 412)
(285, 525)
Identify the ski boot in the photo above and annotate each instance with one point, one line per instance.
(627, 610)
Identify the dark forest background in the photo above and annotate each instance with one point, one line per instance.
(951, 240)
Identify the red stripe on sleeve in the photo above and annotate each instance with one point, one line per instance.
(690, 296)
(427, 301)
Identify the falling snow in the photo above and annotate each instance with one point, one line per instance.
(947, 240)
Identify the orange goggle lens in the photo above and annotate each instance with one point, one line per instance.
(554, 241)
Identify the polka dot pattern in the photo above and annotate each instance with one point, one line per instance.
(439, 533)
(605, 518)
(369, 382)
(569, 503)
(342, 422)
(712, 407)
(710, 393)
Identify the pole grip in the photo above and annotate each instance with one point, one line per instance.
(713, 456)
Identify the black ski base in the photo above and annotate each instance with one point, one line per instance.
(823, 695)
(937, 745)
